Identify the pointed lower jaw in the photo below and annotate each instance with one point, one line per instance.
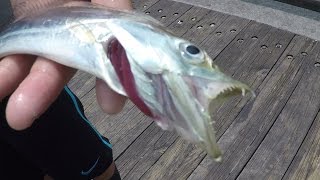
(210, 144)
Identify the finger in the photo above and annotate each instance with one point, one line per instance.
(110, 101)
(27, 7)
(119, 4)
(13, 69)
(36, 92)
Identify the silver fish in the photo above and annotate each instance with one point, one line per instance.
(168, 78)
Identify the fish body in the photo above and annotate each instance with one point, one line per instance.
(168, 78)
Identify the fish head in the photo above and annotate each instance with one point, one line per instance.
(196, 87)
(177, 80)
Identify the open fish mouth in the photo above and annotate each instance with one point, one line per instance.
(210, 95)
(225, 92)
(210, 144)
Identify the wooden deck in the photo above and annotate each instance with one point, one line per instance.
(274, 136)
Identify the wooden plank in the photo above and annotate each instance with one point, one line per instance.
(247, 131)
(144, 152)
(122, 128)
(89, 98)
(167, 164)
(306, 163)
(251, 67)
(209, 23)
(177, 162)
(279, 147)
(164, 11)
(82, 83)
(222, 36)
(142, 5)
(188, 20)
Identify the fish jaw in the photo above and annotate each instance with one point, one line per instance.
(193, 99)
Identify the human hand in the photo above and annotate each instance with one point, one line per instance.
(35, 82)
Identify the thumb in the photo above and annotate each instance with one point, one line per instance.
(27, 7)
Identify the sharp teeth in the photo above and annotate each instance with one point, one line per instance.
(232, 88)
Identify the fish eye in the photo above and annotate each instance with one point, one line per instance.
(191, 53)
(192, 49)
